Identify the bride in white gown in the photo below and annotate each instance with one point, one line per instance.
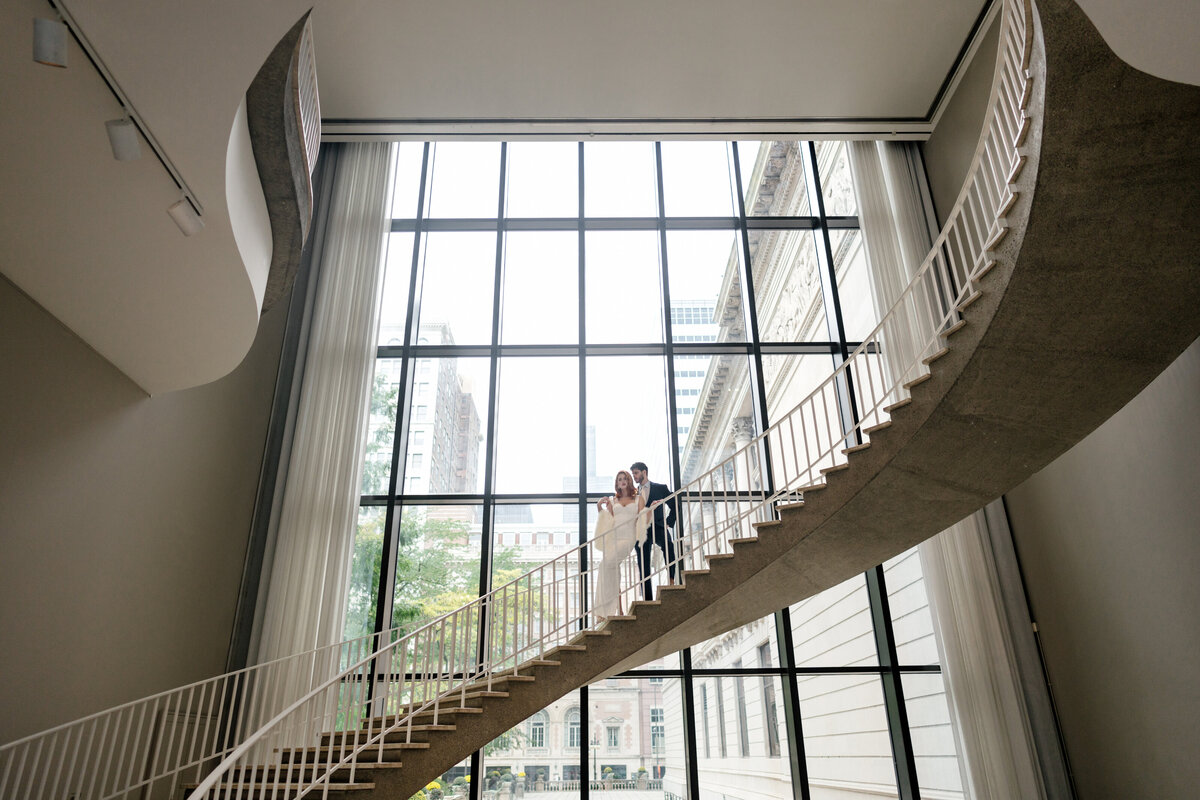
(621, 524)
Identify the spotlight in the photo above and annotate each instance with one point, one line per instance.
(49, 42)
(123, 137)
(186, 218)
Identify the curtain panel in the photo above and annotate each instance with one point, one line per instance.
(306, 573)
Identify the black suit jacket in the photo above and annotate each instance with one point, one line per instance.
(658, 491)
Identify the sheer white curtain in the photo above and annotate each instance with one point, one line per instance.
(988, 712)
(307, 574)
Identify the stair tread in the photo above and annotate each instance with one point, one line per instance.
(255, 785)
(834, 468)
(766, 523)
(969, 300)
(749, 539)
(935, 356)
(858, 448)
(917, 381)
(896, 405)
(956, 327)
(876, 428)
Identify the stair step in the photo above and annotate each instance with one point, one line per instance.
(834, 468)
(749, 539)
(1026, 95)
(874, 429)
(986, 268)
(622, 617)
(927, 360)
(670, 587)
(248, 790)
(896, 405)
(955, 328)
(858, 448)
(718, 556)
(917, 380)
(971, 299)
(541, 662)
(373, 725)
(1026, 123)
(1015, 172)
(766, 523)
(295, 772)
(687, 573)
(637, 603)
(1013, 197)
(812, 487)
(369, 755)
(996, 239)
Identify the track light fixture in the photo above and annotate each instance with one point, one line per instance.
(49, 42)
(123, 138)
(186, 217)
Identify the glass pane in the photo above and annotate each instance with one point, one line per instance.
(408, 179)
(543, 179)
(541, 288)
(437, 562)
(636, 739)
(704, 269)
(854, 284)
(787, 286)
(466, 179)
(453, 784)
(458, 287)
(540, 755)
(627, 416)
(537, 419)
(834, 168)
(912, 621)
(397, 275)
(447, 426)
(834, 628)
(624, 289)
(938, 770)
(381, 427)
(525, 537)
(773, 179)
(698, 179)
(740, 648)
(790, 378)
(364, 572)
(846, 740)
(742, 738)
(713, 412)
(620, 179)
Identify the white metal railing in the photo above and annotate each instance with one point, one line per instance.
(307, 100)
(300, 719)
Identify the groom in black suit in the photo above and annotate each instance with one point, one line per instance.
(660, 533)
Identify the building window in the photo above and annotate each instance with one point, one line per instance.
(537, 730)
(704, 720)
(657, 731)
(614, 737)
(739, 703)
(572, 742)
(770, 712)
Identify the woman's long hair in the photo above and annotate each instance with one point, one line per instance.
(628, 482)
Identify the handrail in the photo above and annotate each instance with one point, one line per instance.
(353, 697)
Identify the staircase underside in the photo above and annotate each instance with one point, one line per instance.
(1095, 292)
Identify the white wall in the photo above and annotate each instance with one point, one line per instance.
(123, 520)
(1109, 541)
(949, 149)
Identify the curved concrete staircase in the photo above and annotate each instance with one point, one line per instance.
(1088, 289)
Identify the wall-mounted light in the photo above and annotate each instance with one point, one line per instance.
(49, 42)
(123, 138)
(186, 217)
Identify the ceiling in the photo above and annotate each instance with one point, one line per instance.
(88, 238)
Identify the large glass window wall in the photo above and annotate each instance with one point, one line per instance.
(552, 312)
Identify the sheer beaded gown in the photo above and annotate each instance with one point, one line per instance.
(617, 531)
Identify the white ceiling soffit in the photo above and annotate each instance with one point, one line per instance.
(88, 237)
(537, 67)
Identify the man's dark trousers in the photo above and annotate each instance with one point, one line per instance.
(660, 535)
